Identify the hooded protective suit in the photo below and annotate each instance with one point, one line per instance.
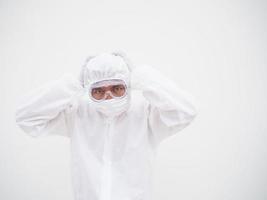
(112, 144)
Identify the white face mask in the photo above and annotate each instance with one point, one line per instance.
(113, 107)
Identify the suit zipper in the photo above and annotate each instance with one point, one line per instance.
(106, 181)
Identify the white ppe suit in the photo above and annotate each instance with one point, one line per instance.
(111, 152)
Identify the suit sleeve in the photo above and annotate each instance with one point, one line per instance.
(49, 109)
(170, 108)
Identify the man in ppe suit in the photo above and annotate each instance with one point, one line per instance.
(115, 114)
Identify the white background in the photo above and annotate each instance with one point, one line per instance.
(217, 50)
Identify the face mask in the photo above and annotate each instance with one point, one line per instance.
(112, 107)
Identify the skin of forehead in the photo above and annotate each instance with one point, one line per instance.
(108, 87)
(108, 83)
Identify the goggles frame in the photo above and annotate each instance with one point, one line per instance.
(107, 82)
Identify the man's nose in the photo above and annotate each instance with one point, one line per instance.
(108, 96)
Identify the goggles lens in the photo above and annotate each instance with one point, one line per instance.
(115, 88)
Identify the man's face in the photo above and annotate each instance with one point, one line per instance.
(107, 92)
(110, 89)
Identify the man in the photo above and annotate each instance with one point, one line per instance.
(115, 115)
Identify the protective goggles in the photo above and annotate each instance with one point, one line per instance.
(100, 90)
